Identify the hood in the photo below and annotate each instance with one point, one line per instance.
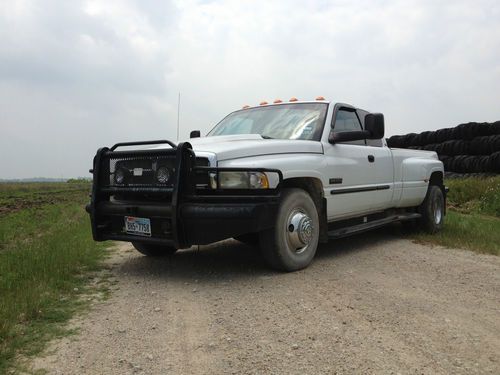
(240, 146)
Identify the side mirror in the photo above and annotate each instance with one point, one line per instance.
(374, 124)
(195, 134)
(348, 136)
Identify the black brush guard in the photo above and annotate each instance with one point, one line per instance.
(184, 214)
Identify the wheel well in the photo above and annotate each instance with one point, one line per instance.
(436, 179)
(314, 187)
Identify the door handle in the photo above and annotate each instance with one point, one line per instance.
(371, 158)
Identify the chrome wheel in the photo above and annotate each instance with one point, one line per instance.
(291, 244)
(432, 210)
(299, 230)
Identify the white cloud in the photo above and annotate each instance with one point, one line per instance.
(78, 75)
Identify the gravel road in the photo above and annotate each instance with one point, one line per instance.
(374, 303)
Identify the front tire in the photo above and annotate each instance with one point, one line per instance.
(432, 210)
(154, 250)
(292, 243)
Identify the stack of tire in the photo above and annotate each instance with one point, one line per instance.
(467, 148)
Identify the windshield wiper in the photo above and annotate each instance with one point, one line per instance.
(266, 136)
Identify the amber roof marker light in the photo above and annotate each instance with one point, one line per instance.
(245, 106)
(263, 102)
(293, 99)
(278, 101)
(320, 98)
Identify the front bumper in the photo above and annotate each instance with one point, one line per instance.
(199, 223)
(187, 216)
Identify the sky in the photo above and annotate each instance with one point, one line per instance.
(77, 75)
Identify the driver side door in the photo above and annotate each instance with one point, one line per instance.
(350, 191)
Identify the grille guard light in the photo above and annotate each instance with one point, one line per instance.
(120, 176)
(163, 175)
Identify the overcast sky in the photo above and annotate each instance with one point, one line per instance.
(77, 75)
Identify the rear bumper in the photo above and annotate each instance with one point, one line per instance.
(199, 223)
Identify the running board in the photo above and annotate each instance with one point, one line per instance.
(347, 231)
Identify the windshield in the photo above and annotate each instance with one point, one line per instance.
(285, 121)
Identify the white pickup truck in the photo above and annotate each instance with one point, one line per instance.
(283, 176)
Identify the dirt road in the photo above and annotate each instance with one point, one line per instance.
(369, 304)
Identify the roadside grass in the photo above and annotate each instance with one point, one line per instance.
(475, 195)
(46, 252)
(473, 218)
(467, 231)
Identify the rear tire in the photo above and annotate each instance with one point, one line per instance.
(154, 250)
(292, 243)
(432, 210)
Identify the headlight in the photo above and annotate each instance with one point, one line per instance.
(120, 176)
(163, 175)
(243, 180)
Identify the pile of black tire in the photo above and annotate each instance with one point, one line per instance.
(467, 148)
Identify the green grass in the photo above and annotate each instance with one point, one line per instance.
(475, 195)
(45, 252)
(473, 218)
(467, 231)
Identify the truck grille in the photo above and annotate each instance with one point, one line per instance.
(137, 172)
(145, 172)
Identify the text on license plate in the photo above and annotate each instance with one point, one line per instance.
(138, 225)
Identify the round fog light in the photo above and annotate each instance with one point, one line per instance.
(163, 175)
(120, 175)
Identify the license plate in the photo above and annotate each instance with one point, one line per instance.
(139, 226)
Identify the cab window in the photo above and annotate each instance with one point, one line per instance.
(346, 121)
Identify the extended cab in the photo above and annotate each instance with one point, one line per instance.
(283, 176)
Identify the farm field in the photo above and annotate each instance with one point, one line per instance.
(45, 250)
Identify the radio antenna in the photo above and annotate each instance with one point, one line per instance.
(178, 111)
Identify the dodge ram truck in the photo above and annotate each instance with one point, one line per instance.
(283, 177)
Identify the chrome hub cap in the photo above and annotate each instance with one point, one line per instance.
(299, 230)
